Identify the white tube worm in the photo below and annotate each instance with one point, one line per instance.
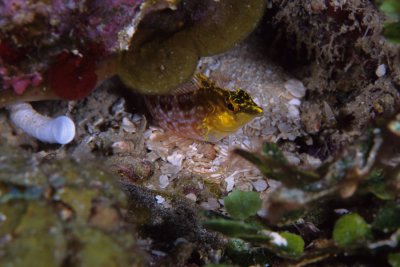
(60, 130)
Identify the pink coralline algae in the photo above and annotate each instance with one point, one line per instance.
(52, 42)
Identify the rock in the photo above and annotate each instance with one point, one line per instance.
(295, 88)
(381, 70)
(49, 205)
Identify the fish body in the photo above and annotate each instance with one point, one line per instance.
(202, 110)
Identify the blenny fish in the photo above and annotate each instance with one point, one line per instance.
(202, 110)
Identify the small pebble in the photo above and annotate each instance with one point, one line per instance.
(160, 199)
(260, 185)
(292, 158)
(164, 181)
(295, 102)
(168, 168)
(230, 182)
(191, 196)
(118, 107)
(295, 88)
(211, 204)
(128, 126)
(176, 159)
(341, 211)
(313, 162)
(3, 217)
(246, 186)
(328, 112)
(380, 70)
(293, 112)
(123, 147)
(284, 127)
(208, 151)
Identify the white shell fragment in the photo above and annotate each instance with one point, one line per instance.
(260, 185)
(192, 197)
(211, 204)
(164, 181)
(277, 239)
(176, 159)
(60, 130)
(295, 88)
(159, 199)
(230, 181)
(295, 102)
(380, 70)
(128, 126)
(293, 112)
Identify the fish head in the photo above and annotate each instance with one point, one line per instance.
(242, 105)
(237, 109)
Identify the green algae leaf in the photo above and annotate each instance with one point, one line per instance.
(376, 184)
(391, 8)
(231, 228)
(241, 205)
(238, 245)
(244, 254)
(351, 230)
(272, 150)
(388, 218)
(391, 29)
(394, 259)
(392, 32)
(295, 244)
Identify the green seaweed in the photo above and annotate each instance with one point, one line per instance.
(295, 244)
(394, 259)
(351, 230)
(392, 27)
(241, 205)
(387, 218)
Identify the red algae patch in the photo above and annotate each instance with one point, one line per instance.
(72, 76)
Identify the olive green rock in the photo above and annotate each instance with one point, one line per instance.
(62, 213)
(165, 51)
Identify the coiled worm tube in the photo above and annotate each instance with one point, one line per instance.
(60, 130)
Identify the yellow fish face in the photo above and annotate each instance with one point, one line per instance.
(241, 103)
(237, 109)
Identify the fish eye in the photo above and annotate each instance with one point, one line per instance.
(231, 107)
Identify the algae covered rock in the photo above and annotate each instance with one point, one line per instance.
(62, 214)
(165, 50)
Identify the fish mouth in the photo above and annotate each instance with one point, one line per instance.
(257, 111)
